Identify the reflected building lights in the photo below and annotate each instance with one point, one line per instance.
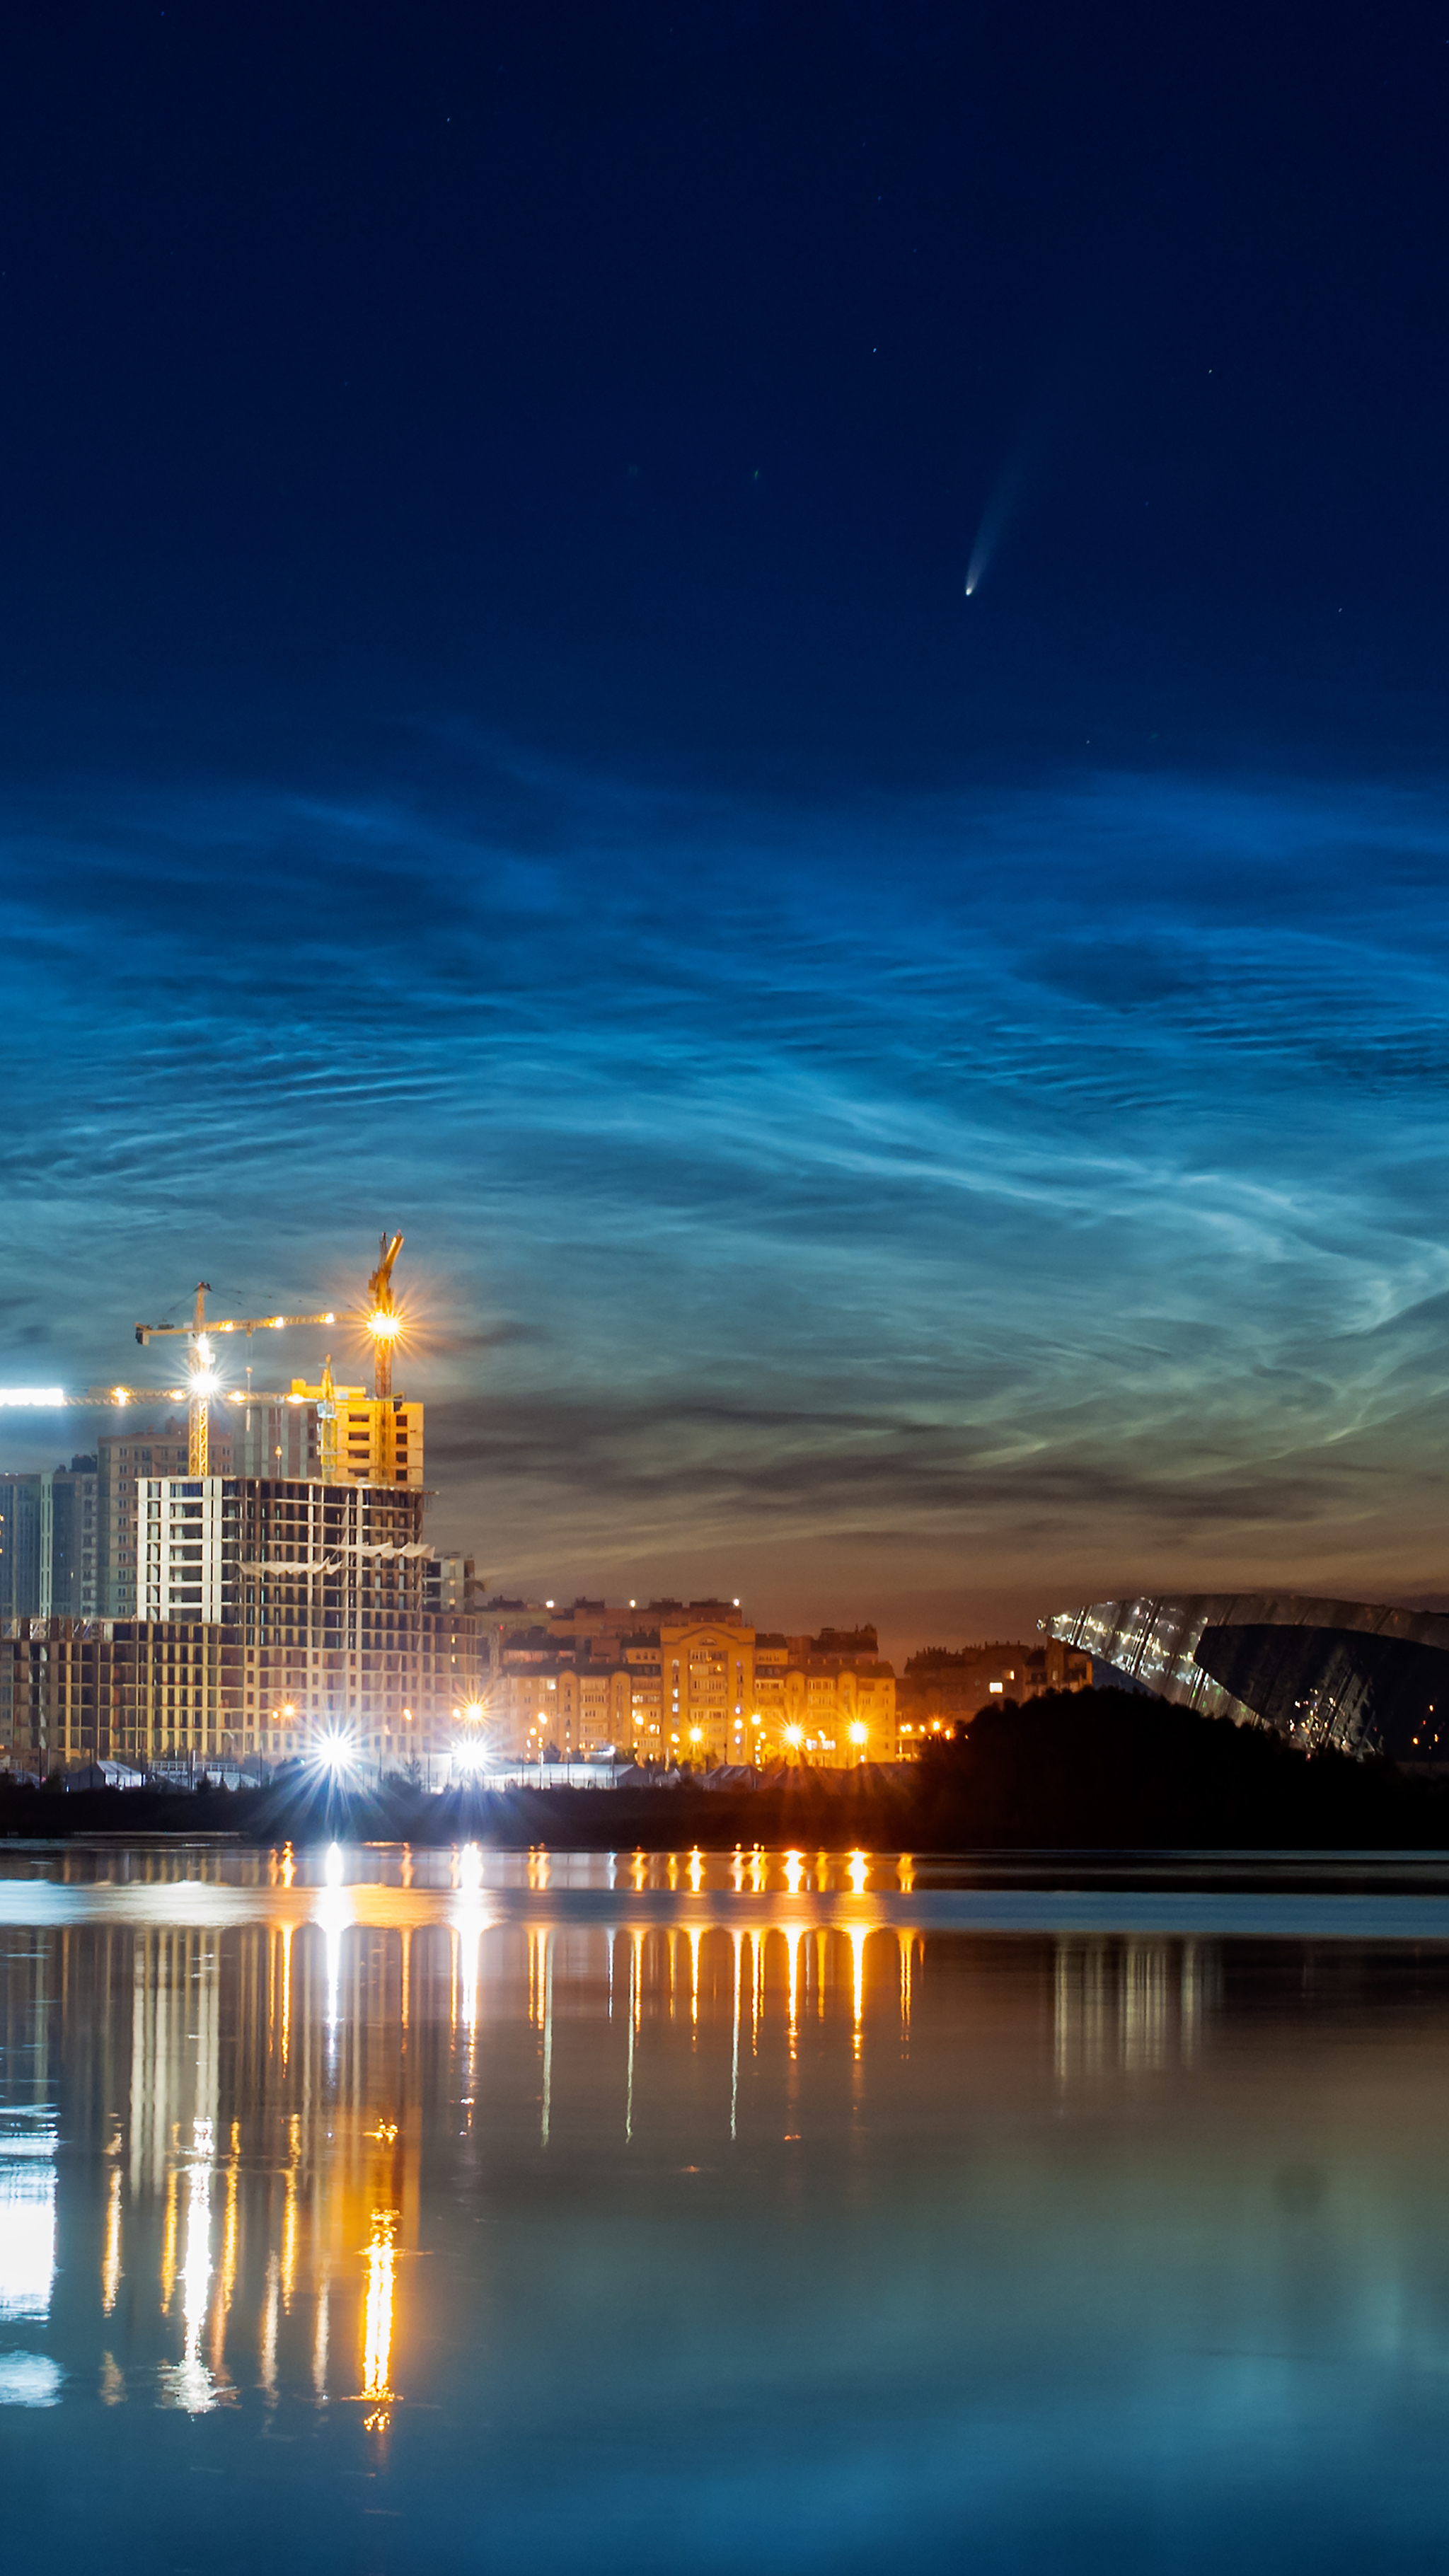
(547, 2035)
(377, 2321)
(319, 2344)
(289, 2213)
(737, 1942)
(111, 2259)
(313, 2192)
(1126, 2004)
(270, 2307)
(27, 2217)
(858, 1936)
(189, 2384)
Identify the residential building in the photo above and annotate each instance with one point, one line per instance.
(332, 1592)
(93, 1690)
(684, 1682)
(48, 1542)
(943, 1685)
(122, 1457)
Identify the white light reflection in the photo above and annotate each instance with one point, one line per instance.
(187, 2383)
(111, 2259)
(334, 1910)
(319, 2347)
(27, 2223)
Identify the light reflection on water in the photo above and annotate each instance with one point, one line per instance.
(409, 2199)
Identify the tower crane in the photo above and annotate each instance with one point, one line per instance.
(383, 1322)
(202, 1382)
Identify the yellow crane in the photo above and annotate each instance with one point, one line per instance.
(202, 1381)
(383, 1321)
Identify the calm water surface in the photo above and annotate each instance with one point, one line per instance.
(389, 2211)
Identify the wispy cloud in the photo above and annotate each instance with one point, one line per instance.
(1033, 1182)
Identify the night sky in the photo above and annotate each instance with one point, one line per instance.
(902, 1104)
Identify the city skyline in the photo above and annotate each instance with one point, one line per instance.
(785, 697)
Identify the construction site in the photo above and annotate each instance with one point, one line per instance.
(252, 1590)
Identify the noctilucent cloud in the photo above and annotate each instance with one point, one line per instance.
(900, 1106)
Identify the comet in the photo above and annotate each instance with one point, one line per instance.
(994, 521)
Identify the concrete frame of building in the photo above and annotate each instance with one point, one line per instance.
(331, 1621)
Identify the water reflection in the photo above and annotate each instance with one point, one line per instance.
(911, 2230)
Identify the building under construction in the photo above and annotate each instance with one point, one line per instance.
(246, 1614)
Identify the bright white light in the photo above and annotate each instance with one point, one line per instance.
(334, 1864)
(859, 1733)
(336, 1754)
(27, 2225)
(32, 1395)
(205, 1382)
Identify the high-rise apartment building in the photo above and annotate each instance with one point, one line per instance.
(48, 1542)
(122, 1457)
(335, 1601)
(284, 1612)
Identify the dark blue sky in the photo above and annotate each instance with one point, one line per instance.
(899, 1102)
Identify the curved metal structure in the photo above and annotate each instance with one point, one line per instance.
(1360, 1675)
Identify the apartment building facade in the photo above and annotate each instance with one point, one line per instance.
(48, 1542)
(680, 1682)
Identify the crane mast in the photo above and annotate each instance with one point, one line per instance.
(383, 1322)
(202, 1379)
